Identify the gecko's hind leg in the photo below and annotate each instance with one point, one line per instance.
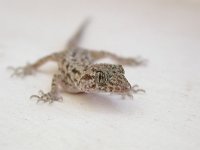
(30, 69)
(53, 95)
(96, 55)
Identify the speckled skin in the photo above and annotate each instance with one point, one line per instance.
(77, 71)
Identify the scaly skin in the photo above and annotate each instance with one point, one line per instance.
(77, 71)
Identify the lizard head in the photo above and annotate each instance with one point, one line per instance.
(104, 78)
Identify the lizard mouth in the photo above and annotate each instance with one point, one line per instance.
(122, 88)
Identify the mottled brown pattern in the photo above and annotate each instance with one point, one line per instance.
(77, 71)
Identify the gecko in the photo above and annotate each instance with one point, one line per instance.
(78, 73)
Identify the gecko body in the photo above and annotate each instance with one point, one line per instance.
(78, 72)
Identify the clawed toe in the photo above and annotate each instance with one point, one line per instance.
(134, 89)
(137, 61)
(48, 97)
(22, 71)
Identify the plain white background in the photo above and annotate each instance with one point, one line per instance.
(165, 32)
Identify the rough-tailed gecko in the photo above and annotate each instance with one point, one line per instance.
(78, 72)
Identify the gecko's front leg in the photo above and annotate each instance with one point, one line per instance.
(53, 95)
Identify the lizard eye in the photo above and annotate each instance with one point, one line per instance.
(101, 77)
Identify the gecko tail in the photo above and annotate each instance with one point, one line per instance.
(76, 38)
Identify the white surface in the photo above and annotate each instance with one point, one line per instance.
(167, 33)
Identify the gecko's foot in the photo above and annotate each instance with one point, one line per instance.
(133, 61)
(22, 71)
(134, 89)
(47, 97)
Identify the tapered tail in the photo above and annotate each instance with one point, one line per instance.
(76, 38)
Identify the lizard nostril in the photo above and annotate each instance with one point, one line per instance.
(127, 87)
